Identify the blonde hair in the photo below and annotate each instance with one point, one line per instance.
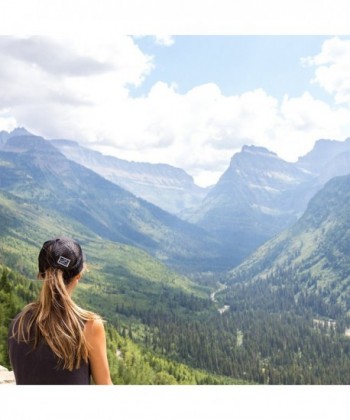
(56, 318)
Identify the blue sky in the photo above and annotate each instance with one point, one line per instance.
(235, 63)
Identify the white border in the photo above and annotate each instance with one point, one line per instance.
(259, 17)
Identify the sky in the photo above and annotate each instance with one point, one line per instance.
(190, 100)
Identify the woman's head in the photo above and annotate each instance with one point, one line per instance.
(63, 254)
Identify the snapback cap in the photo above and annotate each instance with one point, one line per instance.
(62, 253)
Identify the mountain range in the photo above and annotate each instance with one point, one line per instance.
(257, 197)
(253, 286)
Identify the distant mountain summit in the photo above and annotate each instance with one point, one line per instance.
(328, 158)
(19, 131)
(323, 152)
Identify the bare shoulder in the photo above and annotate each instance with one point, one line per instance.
(96, 341)
(94, 328)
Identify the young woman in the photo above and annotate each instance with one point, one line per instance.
(53, 341)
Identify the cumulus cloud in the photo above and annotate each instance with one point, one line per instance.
(302, 121)
(79, 89)
(76, 84)
(333, 68)
(44, 63)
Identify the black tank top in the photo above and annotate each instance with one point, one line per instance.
(39, 366)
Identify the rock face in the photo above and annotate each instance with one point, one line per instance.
(6, 376)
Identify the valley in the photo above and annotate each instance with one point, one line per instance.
(237, 285)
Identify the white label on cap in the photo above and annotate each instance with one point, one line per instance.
(63, 261)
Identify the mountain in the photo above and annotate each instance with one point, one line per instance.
(19, 131)
(257, 197)
(312, 255)
(323, 152)
(33, 169)
(260, 194)
(328, 159)
(167, 187)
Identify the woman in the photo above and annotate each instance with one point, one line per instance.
(53, 341)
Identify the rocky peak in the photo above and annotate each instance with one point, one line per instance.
(258, 151)
(17, 132)
(260, 166)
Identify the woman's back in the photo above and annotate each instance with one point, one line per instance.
(40, 366)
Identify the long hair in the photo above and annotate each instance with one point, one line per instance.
(57, 319)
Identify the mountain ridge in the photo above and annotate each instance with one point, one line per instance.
(168, 187)
(278, 303)
(163, 185)
(257, 197)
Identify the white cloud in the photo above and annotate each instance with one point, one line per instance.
(76, 84)
(333, 68)
(303, 120)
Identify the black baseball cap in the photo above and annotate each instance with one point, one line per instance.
(62, 253)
